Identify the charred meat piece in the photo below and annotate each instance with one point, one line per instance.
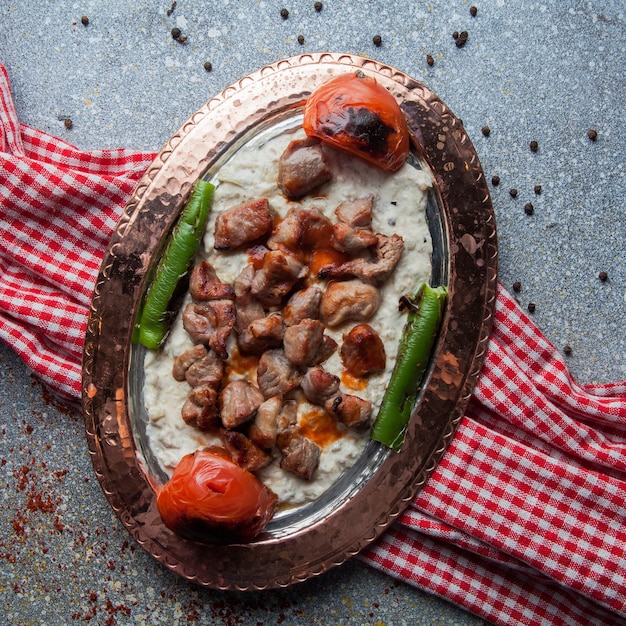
(286, 234)
(303, 341)
(302, 168)
(319, 385)
(238, 402)
(264, 429)
(210, 323)
(303, 304)
(184, 361)
(244, 452)
(277, 276)
(328, 348)
(248, 307)
(200, 408)
(353, 411)
(209, 370)
(356, 213)
(243, 223)
(363, 351)
(349, 300)
(261, 334)
(387, 253)
(204, 284)
(349, 239)
(300, 455)
(317, 229)
(276, 375)
(287, 420)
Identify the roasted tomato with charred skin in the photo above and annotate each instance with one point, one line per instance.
(211, 499)
(356, 114)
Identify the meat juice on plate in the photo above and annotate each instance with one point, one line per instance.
(398, 203)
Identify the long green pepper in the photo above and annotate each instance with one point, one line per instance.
(174, 264)
(414, 351)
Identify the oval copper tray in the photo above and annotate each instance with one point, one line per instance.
(368, 498)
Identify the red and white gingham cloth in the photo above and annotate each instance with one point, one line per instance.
(522, 522)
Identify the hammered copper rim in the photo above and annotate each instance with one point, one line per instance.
(464, 231)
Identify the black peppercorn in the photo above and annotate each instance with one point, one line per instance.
(567, 350)
(284, 13)
(84, 20)
(462, 39)
(473, 11)
(531, 307)
(485, 130)
(377, 40)
(176, 33)
(517, 286)
(513, 192)
(534, 146)
(495, 180)
(430, 60)
(592, 134)
(301, 39)
(529, 209)
(603, 276)
(455, 34)
(318, 6)
(68, 123)
(537, 189)
(208, 66)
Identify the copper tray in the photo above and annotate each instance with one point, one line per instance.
(368, 498)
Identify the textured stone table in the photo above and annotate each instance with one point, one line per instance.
(545, 71)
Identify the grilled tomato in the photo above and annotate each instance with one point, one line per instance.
(209, 498)
(354, 113)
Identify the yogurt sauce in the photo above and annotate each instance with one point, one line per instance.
(399, 207)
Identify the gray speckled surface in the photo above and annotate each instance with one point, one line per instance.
(546, 71)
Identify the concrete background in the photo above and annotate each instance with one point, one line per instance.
(545, 70)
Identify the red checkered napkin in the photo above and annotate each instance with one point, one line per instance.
(523, 520)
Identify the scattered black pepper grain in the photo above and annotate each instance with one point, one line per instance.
(430, 60)
(301, 39)
(377, 40)
(537, 189)
(485, 130)
(473, 11)
(513, 192)
(531, 307)
(455, 34)
(462, 39)
(84, 20)
(171, 9)
(176, 33)
(603, 276)
(529, 209)
(517, 286)
(567, 350)
(208, 66)
(284, 13)
(68, 123)
(534, 146)
(592, 134)
(318, 6)
(495, 180)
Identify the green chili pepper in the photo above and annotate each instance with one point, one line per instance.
(173, 265)
(414, 351)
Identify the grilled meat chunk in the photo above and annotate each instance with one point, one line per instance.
(302, 168)
(244, 452)
(303, 341)
(210, 323)
(261, 334)
(300, 455)
(349, 300)
(204, 284)
(238, 402)
(277, 276)
(200, 408)
(184, 361)
(248, 307)
(327, 349)
(264, 429)
(319, 385)
(348, 239)
(209, 370)
(363, 351)
(276, 375)
(303, 304)
(243, 223)
(356, 213)
(353, 411)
